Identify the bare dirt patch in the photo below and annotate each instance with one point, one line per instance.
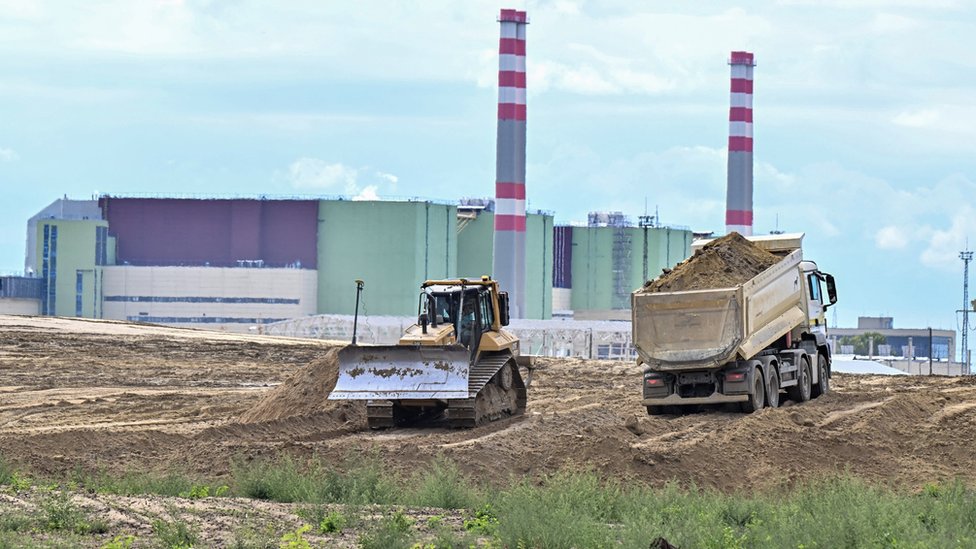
(152, 401)
(722, 263)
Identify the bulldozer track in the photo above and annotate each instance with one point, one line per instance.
(479, 407)
(487, 401)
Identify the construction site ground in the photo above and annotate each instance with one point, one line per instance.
(116, 397)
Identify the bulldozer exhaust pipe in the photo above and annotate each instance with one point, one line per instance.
(355, 318)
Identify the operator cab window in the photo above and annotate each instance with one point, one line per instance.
(814, 287)
(442, 309)
(470, 308)
(487, 318)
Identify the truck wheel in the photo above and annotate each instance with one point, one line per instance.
(823, 385)
(772, 389)
(757, 399)
(801, 391)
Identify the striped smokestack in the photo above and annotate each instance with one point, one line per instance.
(738, 200)
(509, 243)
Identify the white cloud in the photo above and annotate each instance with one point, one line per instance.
(917, 119)
(8, 155)
(392, 179)
(315, 174)
(367, 193)
(944, 245)
(891, 237)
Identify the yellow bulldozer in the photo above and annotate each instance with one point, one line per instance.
(455, 366)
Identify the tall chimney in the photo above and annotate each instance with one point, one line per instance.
(509, 243)
(738, 199)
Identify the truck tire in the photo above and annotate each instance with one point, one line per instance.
(772, 388)
(801, 391)
(655, 410)
(757, 399)
(823, 382)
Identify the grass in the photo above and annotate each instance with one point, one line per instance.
(287, 481)
(443, 486)
(390, 532)
(175, 534)
(566, 509)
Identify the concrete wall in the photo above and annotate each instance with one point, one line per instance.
(72, 274)
(475, 257)
(18, 306)
(538, 266)
(610, 262)
(223, 298)
(562, 299)
(391, 246)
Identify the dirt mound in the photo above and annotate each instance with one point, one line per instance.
(722, 263)
(159, 403)
(304, 393)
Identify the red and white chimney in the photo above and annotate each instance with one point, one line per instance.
(509, 239)
(738, 200)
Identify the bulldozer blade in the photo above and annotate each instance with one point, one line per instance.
(399, 372)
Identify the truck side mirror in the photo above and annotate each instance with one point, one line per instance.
(503, 308)
(831, 288)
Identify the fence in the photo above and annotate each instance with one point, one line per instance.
(601, 339)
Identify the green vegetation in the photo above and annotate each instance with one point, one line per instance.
(444, 487)
(121, 541)
(391, 532)
(175, 534)
(862, 342)
(287, 482)
(296, 539)
(133, 484)
(567, 509)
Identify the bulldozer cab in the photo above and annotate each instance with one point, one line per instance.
(470, 309)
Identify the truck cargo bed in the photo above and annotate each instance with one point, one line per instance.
(706, 328)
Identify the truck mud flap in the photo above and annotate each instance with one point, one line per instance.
(397, 372)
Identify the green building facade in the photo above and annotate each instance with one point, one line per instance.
(70, 254)
(608, 263)
(391, 246)
(475, 256)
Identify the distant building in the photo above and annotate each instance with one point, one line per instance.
(233, 263)
(896, 340)
(596, 267)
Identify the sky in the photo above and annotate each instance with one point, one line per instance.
(864, 118)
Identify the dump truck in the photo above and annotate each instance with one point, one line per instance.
(456, 364)
(740, 345)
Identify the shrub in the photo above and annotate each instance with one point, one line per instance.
(392, 532)
(174, 534)
(443, 486)
(296, 539)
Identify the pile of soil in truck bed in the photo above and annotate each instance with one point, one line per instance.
(722, 263)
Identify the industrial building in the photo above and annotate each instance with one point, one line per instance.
(231, 264)
(597, 266)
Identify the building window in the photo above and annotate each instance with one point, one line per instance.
(49, 269)
(101, 240)
(79, 291)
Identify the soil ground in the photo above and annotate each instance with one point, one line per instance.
(97, 395)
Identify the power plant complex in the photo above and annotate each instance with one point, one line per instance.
(237, 263)
(234, 263)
